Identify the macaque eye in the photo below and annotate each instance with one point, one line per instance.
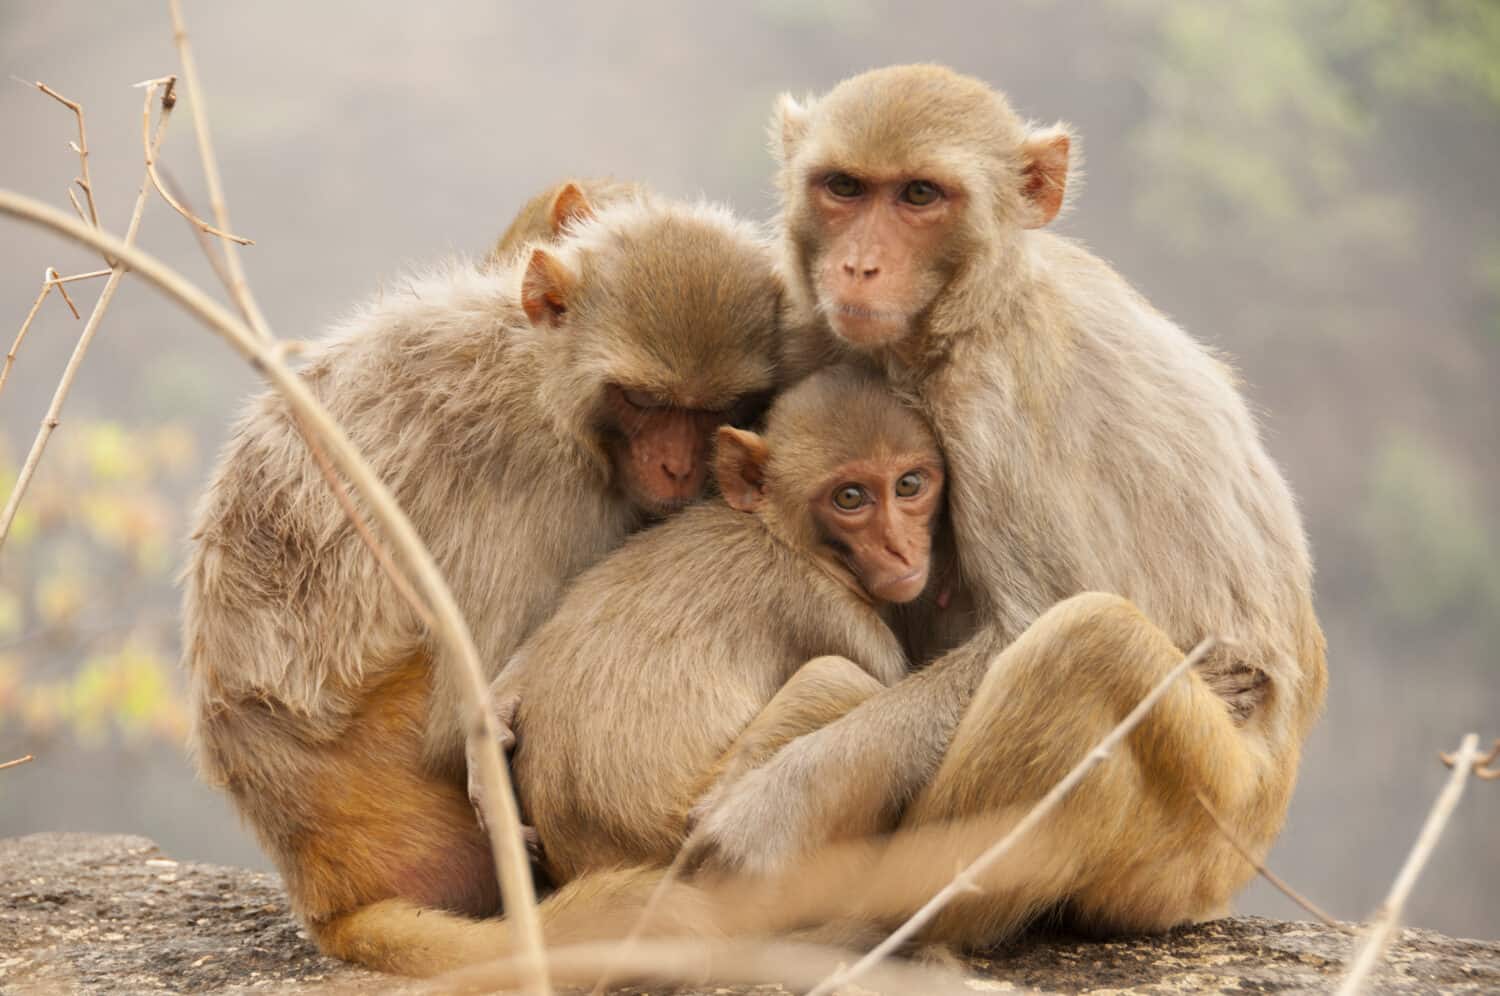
(920, 193)
(909, 484)
(844, 185)
(643, 400)
(849, 497)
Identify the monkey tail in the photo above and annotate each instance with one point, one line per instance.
(400, 937)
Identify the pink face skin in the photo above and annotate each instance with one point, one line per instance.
(663, 460)
(878, 515)
(880, 234)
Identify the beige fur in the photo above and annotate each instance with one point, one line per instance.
(317, 702)
(1093, 446)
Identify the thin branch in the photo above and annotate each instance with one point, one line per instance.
(239, 287)
(1266, 873)
(73, 198)
(964, 882)
(1484, 768)
(56, 280)
(82, 148)
(53, 417)
(1389, 914)
(216, 261)
(402, 585)
(17, 762)
(15, 347)
(74, 277)
(161, 188)
(627, 948)
(502, 821)
(698, 965)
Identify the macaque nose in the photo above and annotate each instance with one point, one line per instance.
(864, 271)
(678, 472)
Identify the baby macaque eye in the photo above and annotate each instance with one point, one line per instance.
(844, 185)
(920, 193)
(849, 497)
(909, 484)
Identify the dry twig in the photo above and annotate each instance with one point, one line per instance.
(502, 820)
(116, 271)
(964, 881)
(17, 762)
(239, 287)
(700, 964)
(1265, 872)
(71, 278)
(81, 147)
(161, 188)
(48, 282)
(1483, 769)
(1389, 914)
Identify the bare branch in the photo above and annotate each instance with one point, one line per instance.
(1265, 872)
(964, 881)
(398, 580)
(156, 181)
(73, 277)
(502, 821)
(15, 347)
(53, 417)
(1389, 914)
(1483, 769)
(17, 762)
(81, 147)
(56, 280)
(239, 287)
(693, 963)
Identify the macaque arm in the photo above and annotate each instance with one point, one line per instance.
(850, 778)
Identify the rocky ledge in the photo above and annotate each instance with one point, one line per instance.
(96, 914)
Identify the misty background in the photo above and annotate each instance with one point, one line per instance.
(1307, 185)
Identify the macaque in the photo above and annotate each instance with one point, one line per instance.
(660, 656)
(693, 653)
(547, 216)
(1112, 505)
(528, 419)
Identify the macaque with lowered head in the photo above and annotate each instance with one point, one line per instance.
(1112, 505)
(528, 418)
(705, 643)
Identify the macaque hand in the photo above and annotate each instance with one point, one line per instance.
(505, 714)
(759, 823)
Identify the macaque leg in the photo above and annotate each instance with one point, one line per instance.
(364, 820)
(1131, 848)
(821, 691)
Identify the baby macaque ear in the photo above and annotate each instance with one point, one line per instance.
(789, 123)
(1044, 173)
(740, 468)
(546, 289)
(568, 208)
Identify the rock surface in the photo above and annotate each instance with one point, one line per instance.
(94, 914)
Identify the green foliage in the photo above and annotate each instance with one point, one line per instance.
(1257, 118)
(1436, 558)
(89, 558)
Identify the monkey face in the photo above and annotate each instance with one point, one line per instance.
(878, 515)
(877, 264)
(660, 451)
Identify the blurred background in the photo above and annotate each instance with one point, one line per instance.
(1308, 185)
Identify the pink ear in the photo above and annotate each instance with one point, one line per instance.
(568, 207)
(1044, 178)
(740, 468)
(545, 289)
